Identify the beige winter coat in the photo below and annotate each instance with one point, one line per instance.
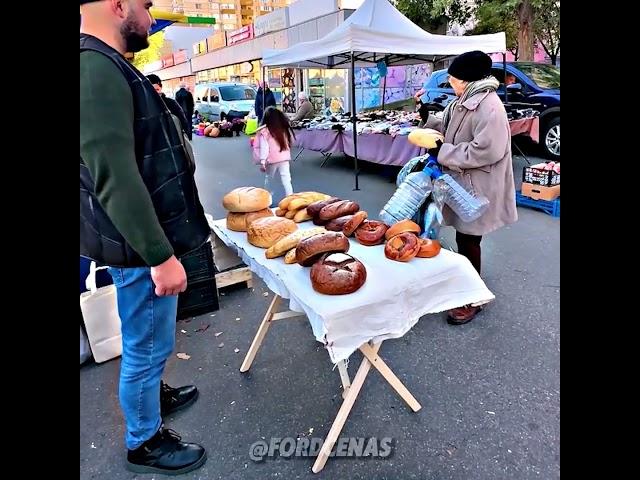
(477, 153)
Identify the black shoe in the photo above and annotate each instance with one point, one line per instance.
(164, 453)
(174, 399)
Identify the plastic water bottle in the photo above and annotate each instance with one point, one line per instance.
(407, 199)
(432, 222)
(463, 203)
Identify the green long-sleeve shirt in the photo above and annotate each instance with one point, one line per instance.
(108, 149)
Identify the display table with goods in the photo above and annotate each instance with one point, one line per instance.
(358, 281)
(382, 135)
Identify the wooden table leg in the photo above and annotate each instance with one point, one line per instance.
(344, 376)
(260, 334)
(390, 377)
(343, 413)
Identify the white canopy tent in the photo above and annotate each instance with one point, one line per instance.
(377, 32)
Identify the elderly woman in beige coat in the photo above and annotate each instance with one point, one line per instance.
(477, 152)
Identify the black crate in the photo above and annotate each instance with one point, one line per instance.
(199, 298)
(546, 178)
(199, 264)
(201, 295)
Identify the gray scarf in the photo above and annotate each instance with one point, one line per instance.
(489, 84)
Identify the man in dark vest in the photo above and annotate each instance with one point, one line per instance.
(139, 213)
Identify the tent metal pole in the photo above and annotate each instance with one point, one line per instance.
(354, 121)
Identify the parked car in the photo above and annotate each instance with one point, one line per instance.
(220, 101)
(537, 86)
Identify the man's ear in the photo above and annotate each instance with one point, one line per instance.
(119, 7)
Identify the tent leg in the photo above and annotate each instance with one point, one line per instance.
(504, 69)
(354, 121)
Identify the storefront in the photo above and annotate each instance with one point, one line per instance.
(239, 59)
(245, 72)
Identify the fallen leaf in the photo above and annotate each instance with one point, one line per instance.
(310, 431)
(217, 334)
(183, 331)
(221, 345)
(93, 446)
(237, 319)
(232, 402)
(202, 327)
(183, 356)
(491, 413)
(212, 315)
(265, 294)
(236, 350)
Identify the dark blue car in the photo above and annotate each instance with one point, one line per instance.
(537, 86)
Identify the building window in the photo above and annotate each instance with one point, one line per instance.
(198, 6)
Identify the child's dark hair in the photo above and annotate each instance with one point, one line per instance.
(278, 125)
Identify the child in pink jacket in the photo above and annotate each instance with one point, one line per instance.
(273, 147)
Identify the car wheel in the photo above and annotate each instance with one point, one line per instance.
(550, 139)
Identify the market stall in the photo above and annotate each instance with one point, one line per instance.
(356, 293)
(377, 34)
(382, 135)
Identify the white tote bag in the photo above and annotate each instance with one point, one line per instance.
(101, 320)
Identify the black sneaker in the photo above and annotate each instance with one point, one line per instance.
(174, 399)
(164, 453)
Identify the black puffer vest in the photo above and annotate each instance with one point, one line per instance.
(164, 167)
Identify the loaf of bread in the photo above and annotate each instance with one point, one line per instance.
(264, 232)
(371, 232)
(314, 208)
(401, 227)
(301, 216)
(354, 223)
(285, 244)
(428, 248)
(338, 209)
(337, 224)
(402, 247)
(310, 249)
(337, 274)
(239, 222)
(290, 257)
(246, 199)
(425, 137)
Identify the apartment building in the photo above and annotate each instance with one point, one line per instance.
(229, 14)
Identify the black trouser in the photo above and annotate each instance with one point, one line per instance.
(469, 246)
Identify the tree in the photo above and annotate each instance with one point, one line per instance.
(151, 53)
(492, 17)
(547, 28)
(427, 14)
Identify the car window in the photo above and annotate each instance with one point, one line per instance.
(443, 81)
(200, 92)
(237, 92)
(543, 75)
(214, 93)
(498, 73)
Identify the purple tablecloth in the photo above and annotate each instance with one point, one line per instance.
(380, 148)
(328, 141)
(385, 149)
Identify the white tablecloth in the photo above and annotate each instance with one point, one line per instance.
(391, 301)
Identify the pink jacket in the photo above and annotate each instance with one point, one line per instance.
(269, 148)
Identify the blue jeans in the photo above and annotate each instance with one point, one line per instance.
(148, 338)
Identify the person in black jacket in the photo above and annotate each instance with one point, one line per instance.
(172, 105)
(269, 100)
(185, 100)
